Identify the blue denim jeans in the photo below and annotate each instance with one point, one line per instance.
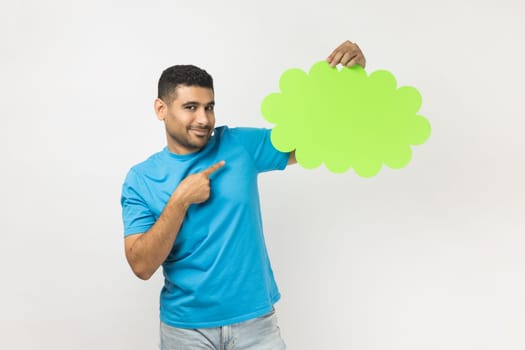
(260, 333)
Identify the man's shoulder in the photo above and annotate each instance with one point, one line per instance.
(240, 132)
(239, 129)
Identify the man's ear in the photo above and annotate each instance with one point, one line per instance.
(160, 108)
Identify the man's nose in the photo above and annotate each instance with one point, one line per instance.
(202, 117)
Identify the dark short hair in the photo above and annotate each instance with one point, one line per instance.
(186, 75)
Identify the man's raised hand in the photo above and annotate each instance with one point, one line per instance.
(347, 54)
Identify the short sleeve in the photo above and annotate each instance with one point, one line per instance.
(136, 214)
(258, 144)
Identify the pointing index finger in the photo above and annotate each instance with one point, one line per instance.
(213, 168)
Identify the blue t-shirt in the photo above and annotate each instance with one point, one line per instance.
(218, 271)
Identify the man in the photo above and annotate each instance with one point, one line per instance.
(194, 209)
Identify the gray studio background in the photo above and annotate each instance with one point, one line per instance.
(428, 257)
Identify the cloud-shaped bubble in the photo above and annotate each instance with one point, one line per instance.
(345, 119)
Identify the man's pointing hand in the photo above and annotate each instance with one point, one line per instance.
(195, 188)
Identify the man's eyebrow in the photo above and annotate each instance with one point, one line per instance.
(192, 103)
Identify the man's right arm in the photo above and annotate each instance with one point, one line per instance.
(145, 252)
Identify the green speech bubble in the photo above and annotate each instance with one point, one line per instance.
(345, 119)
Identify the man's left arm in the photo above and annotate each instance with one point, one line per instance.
(346, 54)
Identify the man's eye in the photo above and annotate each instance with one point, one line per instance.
(209, 108)
(191, 108)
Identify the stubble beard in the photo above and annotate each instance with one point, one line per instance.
(192, 142)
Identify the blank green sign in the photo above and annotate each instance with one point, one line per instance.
(345, 119)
